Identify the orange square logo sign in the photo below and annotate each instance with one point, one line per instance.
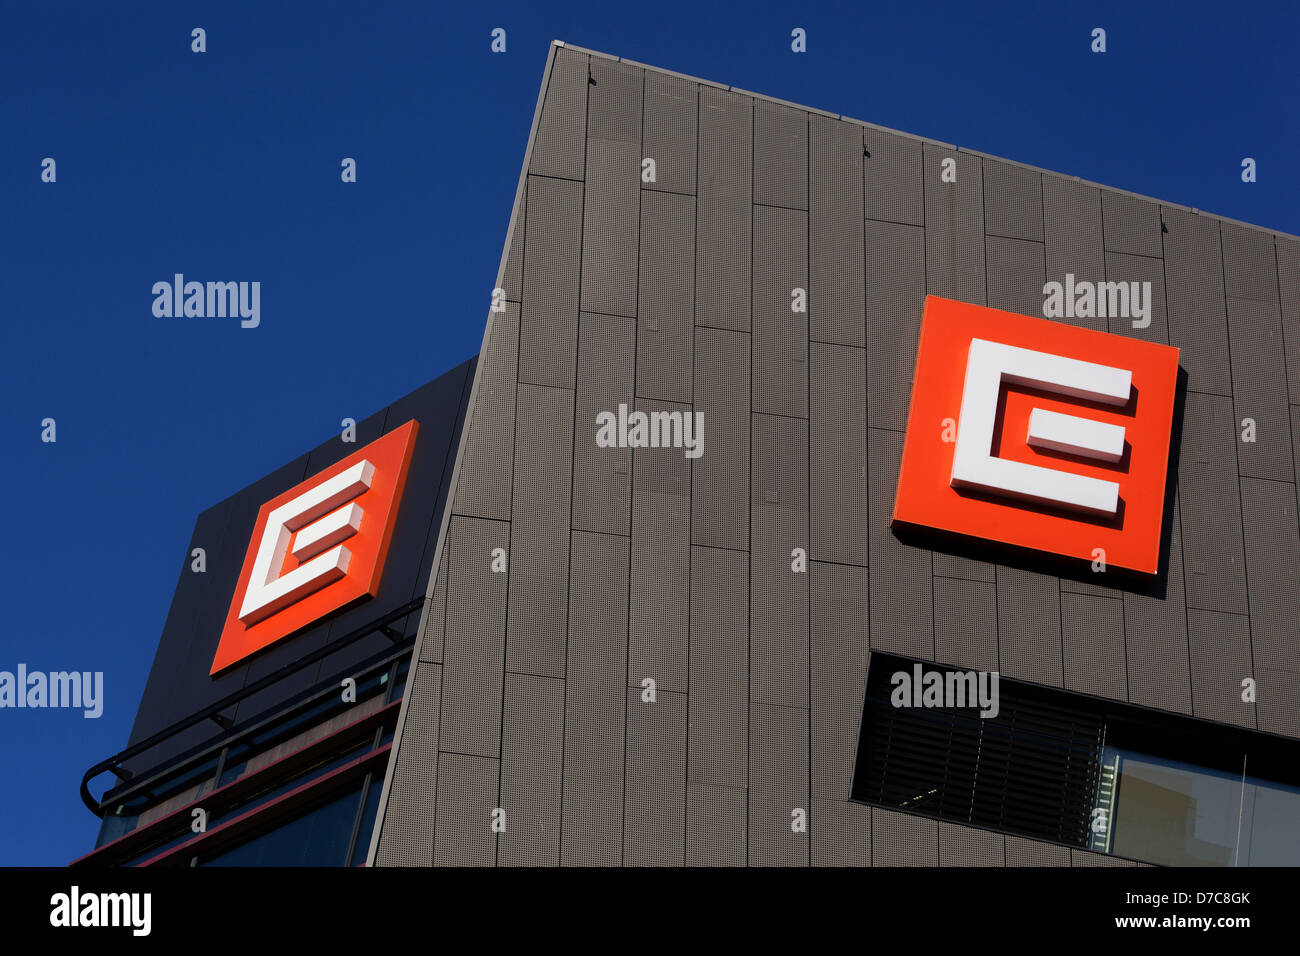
(318, 547)
(1038, 435)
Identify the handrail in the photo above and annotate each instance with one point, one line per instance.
(213, 711)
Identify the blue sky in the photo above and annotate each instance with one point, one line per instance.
(225, 165)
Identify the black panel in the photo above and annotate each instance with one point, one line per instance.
(179, 683)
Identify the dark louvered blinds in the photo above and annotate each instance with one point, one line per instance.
(1031, 770)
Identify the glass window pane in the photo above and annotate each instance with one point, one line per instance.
(368, 820)
(1174, 813)
(1270, 824)
(317, 838)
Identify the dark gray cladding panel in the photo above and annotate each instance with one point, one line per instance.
(780, 155)
(596, 666)
(1158, 669)
(778, 785)
(841, 833)
(665, 325)
(780, 333)
(543, 456)
(548, 333)
(1015, 275)
(954, 225)
(602, 477)
(532, 770)
(778, 671)
(1288, 280)
(513, 278)
(719, 671)
(895, 299)
(1013, 201)
(891, 178)
(614, 102)
(1029, 625)
(1260, 389)
(560, 142)
(671, 118)
(720, 491)
(435, 624)
(1022, 852)
(1249, 266)
(1221, 659)
(408, 826)
(1072, 238)
(483, 488)
(1278, 703)
(475, 639)
(1198, 322)
(595, 702)
(1154, 326)
(838, 652)
(959, 566)
(723, 233)
(966, 846)
(1273, 559)
(716, 822)
(1092, 635)
(654, 813)
(539, 554)
(612, 201)
(966, 624)
(900, 839)
(1273, 569)
(467, 795)
(1087, 858)
(836, 234)
(902, 598)
(610, 228)
(837, 424)
(1210, 506)
(778, 755)
(661, 562)
(1130, 224)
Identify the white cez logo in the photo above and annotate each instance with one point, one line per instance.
(320, 528)
(975, 466)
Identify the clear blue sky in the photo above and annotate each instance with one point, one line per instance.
(225, 166)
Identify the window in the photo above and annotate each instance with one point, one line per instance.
(1078, 770)
(318, 837)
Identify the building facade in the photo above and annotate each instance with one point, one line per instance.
(683, 646)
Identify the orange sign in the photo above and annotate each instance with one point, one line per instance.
(1038, 435)
(317, 547)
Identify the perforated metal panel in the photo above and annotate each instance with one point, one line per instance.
(627, 564)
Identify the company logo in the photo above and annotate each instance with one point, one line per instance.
(317, 547)
(1039, 435)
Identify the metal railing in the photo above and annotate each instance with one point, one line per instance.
(134, 784)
